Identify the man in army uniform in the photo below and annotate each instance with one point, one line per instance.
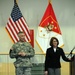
(22, 51)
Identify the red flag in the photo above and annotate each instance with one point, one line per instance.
(49, 17)
(16, 23)
(48, 28)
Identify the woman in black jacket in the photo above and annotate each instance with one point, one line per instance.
(52, 60)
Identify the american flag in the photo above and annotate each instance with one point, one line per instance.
(16, 23)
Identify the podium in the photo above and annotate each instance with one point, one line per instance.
(72, 66)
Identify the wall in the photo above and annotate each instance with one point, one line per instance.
(33, 11)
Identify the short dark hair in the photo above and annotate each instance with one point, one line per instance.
(51, 41)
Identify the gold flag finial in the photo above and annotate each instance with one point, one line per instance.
(17, 1)
(49, 1)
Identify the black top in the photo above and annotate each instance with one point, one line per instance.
(52, 59)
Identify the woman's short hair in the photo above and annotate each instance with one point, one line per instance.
(51, 41)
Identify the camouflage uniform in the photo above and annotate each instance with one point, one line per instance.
(22, 64)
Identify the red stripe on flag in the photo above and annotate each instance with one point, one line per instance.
(32, 37)
(17, 26)
(9, 34)
(13, 25)
(12, 32)
(13, 28)
(25, 26)
(23, 30)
